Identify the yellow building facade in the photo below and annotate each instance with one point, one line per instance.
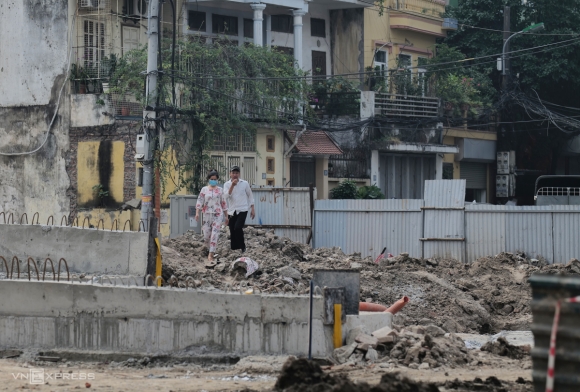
(407, 31)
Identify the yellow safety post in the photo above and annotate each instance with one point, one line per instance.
(158, 262)
(337, 325)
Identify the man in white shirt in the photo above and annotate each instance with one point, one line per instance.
(240, 199)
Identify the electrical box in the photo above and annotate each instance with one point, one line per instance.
(505, 185)
(182, 211)
(140, 147)
(506, 162)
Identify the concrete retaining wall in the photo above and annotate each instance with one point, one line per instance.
(86, 250)
(53, 315)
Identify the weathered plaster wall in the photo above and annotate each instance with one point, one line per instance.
(32, 71)
(34, 50)
(347, 40)
(102, 155)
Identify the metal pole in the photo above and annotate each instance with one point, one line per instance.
(310, 320)
(150, 132)
(506, 35)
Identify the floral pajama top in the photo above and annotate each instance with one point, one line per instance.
(212, 204)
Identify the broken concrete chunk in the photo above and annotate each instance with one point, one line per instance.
(343, 353)
(355, 265)
(366, 341)
(353, 333)
(423, 366)
(372, 355)
(385, 335)
(290, 272)
(418, 329)
(434, 330)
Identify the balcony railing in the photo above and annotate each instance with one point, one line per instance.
(397, 105)
(433, 8)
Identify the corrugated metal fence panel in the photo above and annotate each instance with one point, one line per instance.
(485, 230)
(529, 231)
(440, 225)
(444, 193)
(565, 232)
(283, 207)
(367, 226)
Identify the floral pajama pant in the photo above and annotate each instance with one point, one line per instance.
(212, 224)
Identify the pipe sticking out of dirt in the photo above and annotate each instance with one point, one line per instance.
(400, 304)
(370, 307)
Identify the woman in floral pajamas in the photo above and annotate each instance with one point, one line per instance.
(212, 203)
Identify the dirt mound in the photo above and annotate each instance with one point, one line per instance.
(301, 375)
(502, 348)
(486, 296)
(491, 384)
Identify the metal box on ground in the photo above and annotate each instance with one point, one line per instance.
(183, 215)
(348, 279)
(546, 291)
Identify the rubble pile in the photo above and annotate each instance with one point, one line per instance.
(486, 296)
(416, 347)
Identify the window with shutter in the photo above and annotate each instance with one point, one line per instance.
(318, 27)
(223, 24)
(282, 23)
(196, 21)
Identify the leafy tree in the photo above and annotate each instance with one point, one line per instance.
(370, 192)
(221, 89)
(345, 190)
(548, 72)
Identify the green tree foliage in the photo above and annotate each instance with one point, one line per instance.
(554, 73)
(460, 85)
(370, 192)
(221, 90)
(550, 73)
(345, 190)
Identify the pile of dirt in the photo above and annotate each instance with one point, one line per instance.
(301, 375)
(486, 296)
(503, 348)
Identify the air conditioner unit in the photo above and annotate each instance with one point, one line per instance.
(506, 162)
(505, 185)
(92, 4)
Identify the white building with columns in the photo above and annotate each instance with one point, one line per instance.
(303, 28)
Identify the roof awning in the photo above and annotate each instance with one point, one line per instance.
(314, 143)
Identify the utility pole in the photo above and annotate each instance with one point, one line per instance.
(506, 35)
(149, 124)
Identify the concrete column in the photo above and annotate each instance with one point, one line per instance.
(375, 169)
(322, 177)
(269, 31)
(439, 166)
(298, 14)
(258, 18)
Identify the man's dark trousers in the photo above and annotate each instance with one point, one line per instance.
(237, 221)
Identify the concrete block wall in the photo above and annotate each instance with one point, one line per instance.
(85, 250)
(75, 316)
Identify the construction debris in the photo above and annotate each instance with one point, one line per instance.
(486, 296)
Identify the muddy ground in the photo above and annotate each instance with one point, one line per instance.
(486, 296)
(260, 374)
